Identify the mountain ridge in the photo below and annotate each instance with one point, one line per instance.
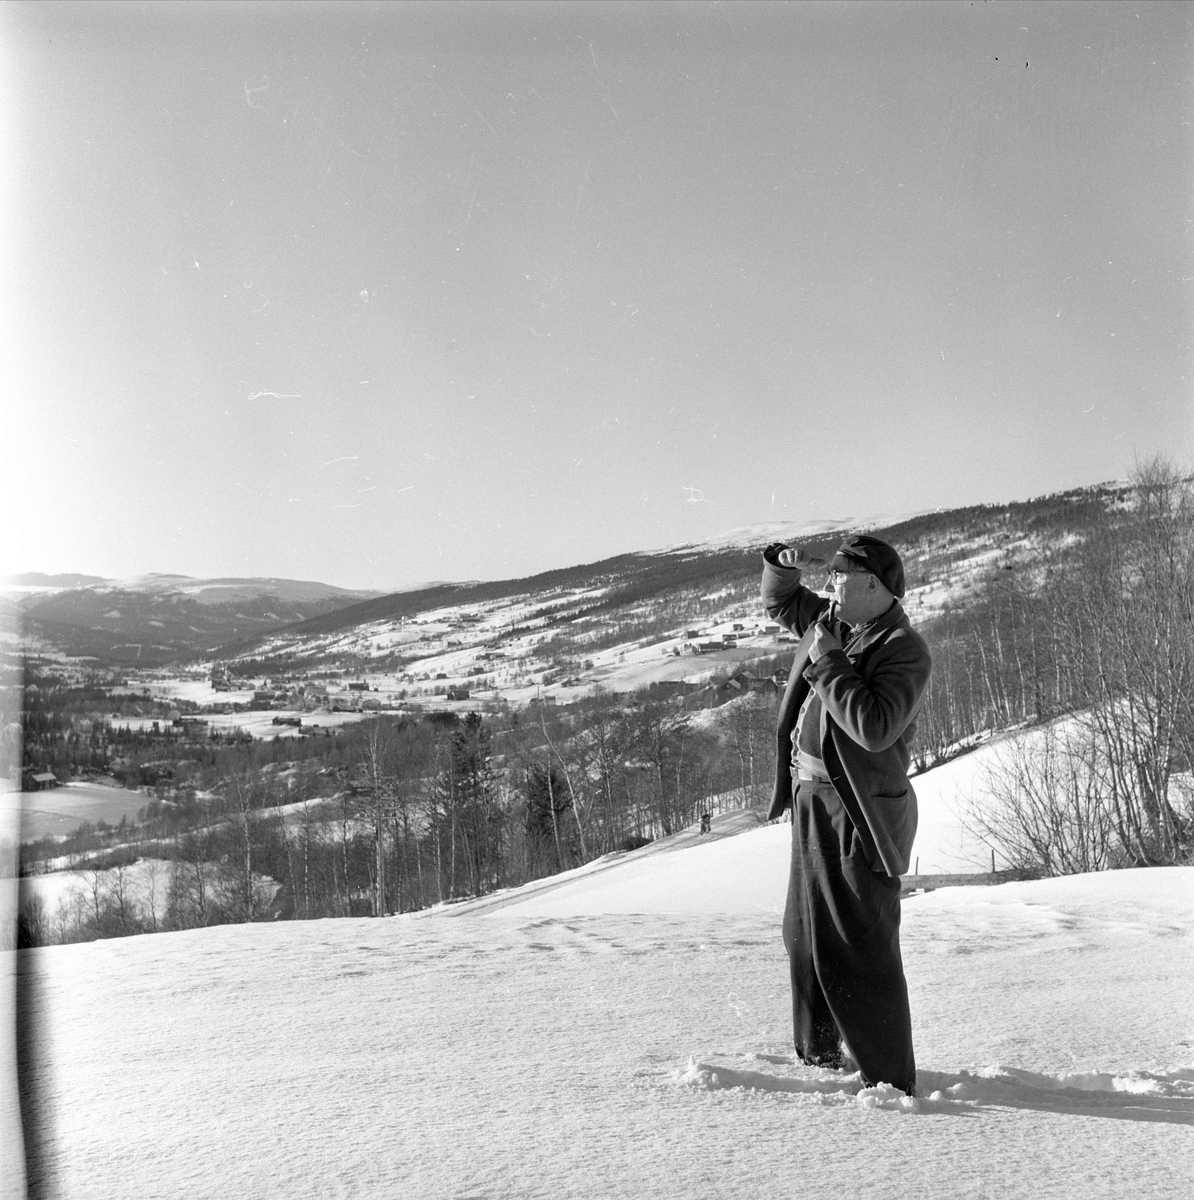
(159, 617)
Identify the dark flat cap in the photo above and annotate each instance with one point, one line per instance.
(872, 555)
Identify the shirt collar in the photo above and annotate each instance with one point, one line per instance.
(863, 635)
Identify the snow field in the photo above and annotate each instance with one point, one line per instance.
(197, 690)
(61, 810)
(631, 1053)
(259, 723)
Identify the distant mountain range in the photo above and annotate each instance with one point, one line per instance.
(156, 618)
(206, 591)
(36, 581)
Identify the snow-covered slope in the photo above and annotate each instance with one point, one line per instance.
(609, 1041)
(657, 617)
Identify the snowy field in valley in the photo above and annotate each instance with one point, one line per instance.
(624, 1032)
(59, 811)
(258, 723)
(197, 690)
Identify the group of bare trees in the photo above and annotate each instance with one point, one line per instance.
(453, 809)
(1111, 648)
(225, 869)
(429, 810)
(438, 810)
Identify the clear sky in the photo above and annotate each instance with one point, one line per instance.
(380, 294)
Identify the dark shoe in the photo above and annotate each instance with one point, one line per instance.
(832, 1060)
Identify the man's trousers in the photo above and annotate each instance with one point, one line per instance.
(842, 933)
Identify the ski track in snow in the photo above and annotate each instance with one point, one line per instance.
(557, 1054)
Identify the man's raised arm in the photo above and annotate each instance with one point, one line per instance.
(784, 597)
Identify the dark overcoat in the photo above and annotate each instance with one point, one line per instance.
(870, 691)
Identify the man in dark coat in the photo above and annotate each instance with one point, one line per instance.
(846, 725)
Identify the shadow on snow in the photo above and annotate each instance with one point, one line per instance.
(1137, 1096)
